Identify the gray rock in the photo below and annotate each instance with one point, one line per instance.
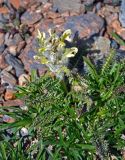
(29, 63)
(2, 19)
(15, 63)
(2, 37)
(2, 48)
(103, 45)
(64, 5)
(7, 79)
(88, 2)
(112, 2)
(30, 18)
(87, 24)
(13, 40)
(122, 13)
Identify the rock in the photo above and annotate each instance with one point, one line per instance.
(13, 49)
(112, 17)
(23, 79)
(3, 19)
(62, 6)
(13, 40)
(88, 2)
(16, 102)
(30, 18)
(58, 21)
(118, 29)
(7, 79)
(15, 3)
(65, 14)
(44, 25)
(122, 13)
(87, 24)
(98, 6)
(3, 63)
(53, 15)
(46, 7)
(4, 10)
(2, 38)
(29, 63)
(116, 25)
(24, 132)
(114, 44)
(8, 119)
(15, 63)
(112, 2)
(2, 48)
(9, 95)
(2, 89)
(21, 46)
(103, 45)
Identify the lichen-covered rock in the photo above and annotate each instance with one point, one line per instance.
(103, 45)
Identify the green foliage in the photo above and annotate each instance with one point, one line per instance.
(118, 39)
(82, 119)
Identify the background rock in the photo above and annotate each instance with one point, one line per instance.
(87, 24)
(122, 13)
(64, 5)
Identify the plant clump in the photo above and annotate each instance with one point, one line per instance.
(75, 121)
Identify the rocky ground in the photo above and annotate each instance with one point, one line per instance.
(93, 20)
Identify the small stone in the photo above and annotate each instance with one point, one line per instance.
(24, 108)
(9, 94)
(4, 10)
(98, 6)
(8, 119)
(21, 46)
(2, 89)
(118, 29)
(16, 102)
(58, 21)
(116, 25)
(62, 6)
(24, 132)
(122, 13)
(73, 13)
(111, 18)
(88, 2)
(23, 79)
(15, 3)
(53, 15)
(13, 40)
(65, 14)
(122, 48)
(8, 79)
(15, 63)
(112, 2)
(2, 38)
(108, 10)
(30, 18)
(13, 49)
(2, 48)
(47, 6)
(114, 44)
(3, 63)
(103, 45)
